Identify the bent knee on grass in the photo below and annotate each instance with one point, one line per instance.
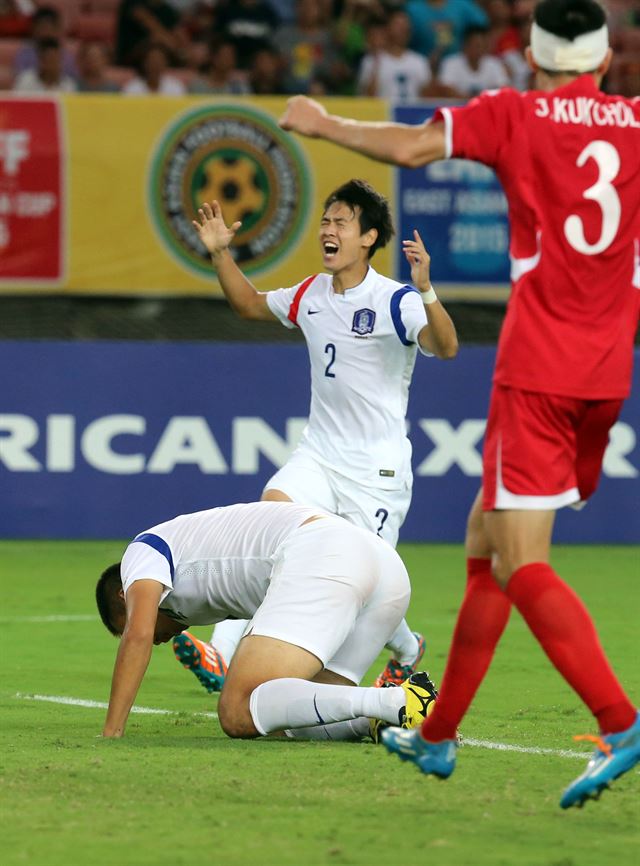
(234, 716)
(258, 660)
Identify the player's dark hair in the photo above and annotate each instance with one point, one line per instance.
(371, 207)
(569, 18)
(107, 590)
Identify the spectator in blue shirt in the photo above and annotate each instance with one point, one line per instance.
(439, 25)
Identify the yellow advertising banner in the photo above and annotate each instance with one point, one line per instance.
(126, 176)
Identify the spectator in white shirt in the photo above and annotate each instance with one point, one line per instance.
(48, 74)
(391, 70)
(473, 69)
(153, 76)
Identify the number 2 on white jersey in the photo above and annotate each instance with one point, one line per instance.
(330, 350)
(603, 193)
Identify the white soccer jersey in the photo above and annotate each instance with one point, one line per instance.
(362, 348)
(213, 564)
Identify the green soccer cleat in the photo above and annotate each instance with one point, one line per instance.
(202, 659)
(394, 673)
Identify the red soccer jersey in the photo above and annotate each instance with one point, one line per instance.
(569, 163)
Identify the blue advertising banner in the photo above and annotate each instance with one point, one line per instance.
(102, 440)
(461, 213)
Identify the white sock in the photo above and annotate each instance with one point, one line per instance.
(403, 644)
(354, 729)
(293, 703)
(227, 635)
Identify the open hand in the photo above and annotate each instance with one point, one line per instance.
(303, 115)
(214, 233)
(420, 261)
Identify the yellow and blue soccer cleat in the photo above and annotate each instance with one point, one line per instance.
(614, 755)
(420, 696)
(435, 759)
(394, 674)
(202, 659)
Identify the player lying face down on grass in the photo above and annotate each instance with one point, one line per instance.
(322, 597)
(362, 331)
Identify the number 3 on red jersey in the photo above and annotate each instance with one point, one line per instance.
(603, 193)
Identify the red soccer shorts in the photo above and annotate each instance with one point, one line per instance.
(543, 451)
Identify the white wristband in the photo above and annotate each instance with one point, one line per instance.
(429, 297)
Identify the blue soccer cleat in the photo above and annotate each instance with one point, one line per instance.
(436, 759)
(615, 754)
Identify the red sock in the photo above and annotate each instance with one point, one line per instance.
(564, 629)
(482, 618)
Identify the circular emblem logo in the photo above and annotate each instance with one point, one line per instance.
(240, 157)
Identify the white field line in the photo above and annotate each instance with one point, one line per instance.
(468, 741)
(102, 705)
(62, 617)
(526, 750)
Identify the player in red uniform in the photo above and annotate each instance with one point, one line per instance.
(568, 157)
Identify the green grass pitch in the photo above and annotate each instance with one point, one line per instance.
(176, 790)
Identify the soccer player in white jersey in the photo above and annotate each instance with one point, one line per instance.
(322, 595)
(568, 157)
(363, 331)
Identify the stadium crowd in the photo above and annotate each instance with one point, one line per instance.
(396, 49)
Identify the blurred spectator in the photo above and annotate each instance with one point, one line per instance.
(266, 73)
(624, 74)
(353, 20)
(15, 18)
(623, 15)
(249, 24)
(391, 70)
(49, 74)
(306, 47)
(197, 55)
(143, 21)
(93, 62)
(222, 75)
(473, 69)
(503, 34)
(439, 25)
(199, 21)
(285, 10)
(624, 77)
(153, 75)
(514, 59)
(46, 24)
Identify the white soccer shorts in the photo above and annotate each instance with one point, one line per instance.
(338, 592)
(308, 482)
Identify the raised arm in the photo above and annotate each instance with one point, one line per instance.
(397, 143)
(243, 296)
(439, 335)
(134, 653)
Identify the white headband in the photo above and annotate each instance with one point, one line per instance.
(582, 54)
